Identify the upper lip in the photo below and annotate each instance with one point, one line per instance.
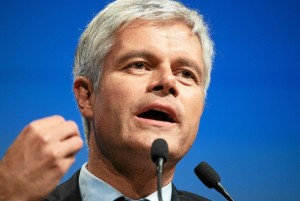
(166, 108)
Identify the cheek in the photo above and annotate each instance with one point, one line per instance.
(116, 97)
(118, 87)
(193, 108)
(114, 92)
(194, 104)
(110, 110)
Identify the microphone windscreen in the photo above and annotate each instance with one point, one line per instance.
(207, 174)
(159, 149)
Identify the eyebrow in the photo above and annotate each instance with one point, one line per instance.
(135, 54)
(192, 64)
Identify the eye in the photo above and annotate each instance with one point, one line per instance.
(137, 68)
(137, 65)
(185, 74)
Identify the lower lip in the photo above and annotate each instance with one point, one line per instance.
(155, 123)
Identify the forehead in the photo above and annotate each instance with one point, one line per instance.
(171, 37)
(159, 25)
(175, 35)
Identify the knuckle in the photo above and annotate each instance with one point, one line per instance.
(80, 143)
(77, 144)
(58, 118)
(31, 128)
(43, 139)
(72, 125)
(33, 132)
(36, 133)
(40, 139)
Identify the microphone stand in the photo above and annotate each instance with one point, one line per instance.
(159, 155)
(159, 167)
(222, 190)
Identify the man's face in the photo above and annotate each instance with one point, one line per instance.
(151, 87)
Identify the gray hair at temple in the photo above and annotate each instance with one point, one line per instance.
(99, 36)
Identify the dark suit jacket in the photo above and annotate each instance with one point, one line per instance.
(69, 191)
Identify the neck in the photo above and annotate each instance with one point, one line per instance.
(135, 178)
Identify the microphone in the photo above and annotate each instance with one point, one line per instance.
(159, 155)
(211, 178)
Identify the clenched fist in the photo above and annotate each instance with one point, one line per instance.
(39, 157)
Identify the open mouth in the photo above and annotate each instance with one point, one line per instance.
(157, 115)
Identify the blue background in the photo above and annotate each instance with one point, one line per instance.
(250, 130)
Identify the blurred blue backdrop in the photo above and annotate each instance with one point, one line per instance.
(250, 130)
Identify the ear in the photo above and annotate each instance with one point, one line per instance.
(83, 91)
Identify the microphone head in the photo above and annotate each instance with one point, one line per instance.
(207, 174)
(159, 149)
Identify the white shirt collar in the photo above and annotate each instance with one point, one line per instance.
(92, 188)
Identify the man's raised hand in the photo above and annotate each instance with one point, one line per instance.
(39, 157)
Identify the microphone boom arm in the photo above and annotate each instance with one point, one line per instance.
(222, 190)
(159, 168)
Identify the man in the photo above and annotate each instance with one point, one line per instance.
(141, 72)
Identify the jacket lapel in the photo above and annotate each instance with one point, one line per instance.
(67, 191)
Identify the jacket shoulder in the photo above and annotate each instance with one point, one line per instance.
(67, 191)
(188, 196)
(179, 195)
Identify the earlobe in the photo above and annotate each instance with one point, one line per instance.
(83, 91)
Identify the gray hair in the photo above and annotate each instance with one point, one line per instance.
(99, 36)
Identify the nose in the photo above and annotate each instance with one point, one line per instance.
(164, 83)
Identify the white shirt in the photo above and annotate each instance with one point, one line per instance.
(93, 189)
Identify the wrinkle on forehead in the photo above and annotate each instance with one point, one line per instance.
(162, 25)
(158, 24)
